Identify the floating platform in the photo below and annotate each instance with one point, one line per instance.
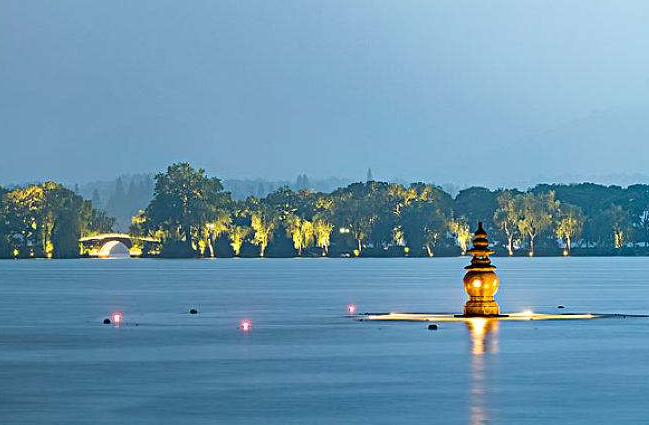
(449, 317)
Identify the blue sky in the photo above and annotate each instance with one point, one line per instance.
(419, 90)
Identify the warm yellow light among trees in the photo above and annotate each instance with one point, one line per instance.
(322, 230)
(569, 224)
(535, 214)
(301, 232)
(214, 229)
(46, 221)
(506, 218)
(461, 231)
(237, 234)
(263, 230)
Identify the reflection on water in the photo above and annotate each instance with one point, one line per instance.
(484, 340)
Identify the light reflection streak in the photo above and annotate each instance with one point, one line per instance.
(483, 333)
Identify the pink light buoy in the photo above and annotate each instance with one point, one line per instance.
(351, 309)
(245, 325)
(116, 318)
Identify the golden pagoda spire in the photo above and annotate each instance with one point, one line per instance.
(480, 281)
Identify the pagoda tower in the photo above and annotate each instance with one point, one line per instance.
(480, 281)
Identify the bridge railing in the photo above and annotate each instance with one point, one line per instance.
(105, 236)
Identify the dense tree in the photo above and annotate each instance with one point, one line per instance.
(476, 204)
(301, 232)
(535, 214)
(613, 227)
(263, 221)
(5, 227)
(184, 200)
(192, 216)
(46, 220)
(505, 217)
(214, 228)
(322, 229)
(638, 207)
(461, 231)
(569, 224)
(423, 224)
(356, 210)
(237, 235)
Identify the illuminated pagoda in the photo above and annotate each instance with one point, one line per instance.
(480, 281)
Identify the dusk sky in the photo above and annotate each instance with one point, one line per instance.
(467, 92)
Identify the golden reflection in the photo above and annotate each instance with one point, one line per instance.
(484, 340)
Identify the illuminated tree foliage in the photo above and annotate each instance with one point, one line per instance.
(322, 229)
(192, 216)
(505, 217)
(614, 227)
(460, 229)
(535, 214)
(423, 223)
(301, 232)
(263, 222)
(569, 224)
(184, 200)
(46, 221)
(237, 235)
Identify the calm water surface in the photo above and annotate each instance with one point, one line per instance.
(304, 362)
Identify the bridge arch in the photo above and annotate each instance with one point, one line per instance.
(103, 244)
(113, 246)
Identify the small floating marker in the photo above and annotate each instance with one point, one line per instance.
(561, 306)
(432, 327)
(106, 321)
(193, 311)
(351, 308)
(116, 318)
(245, 325)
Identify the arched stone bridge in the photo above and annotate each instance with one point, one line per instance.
(102, 245)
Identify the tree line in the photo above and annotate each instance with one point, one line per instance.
(193, 216)
(46, 221)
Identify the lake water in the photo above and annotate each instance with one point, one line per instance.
(303, 362)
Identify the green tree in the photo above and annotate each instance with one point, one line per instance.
(460, 229)
(6, 241)
(237, 234)
(613, 226)
(638, 207)
(301, 231)
(535, 214)
(476, 204)
(263, 220)
(184, 200)
(569, 224)
(506, 218)
(214, 228)
(24, 207)
(322, 231)
(422, 223)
